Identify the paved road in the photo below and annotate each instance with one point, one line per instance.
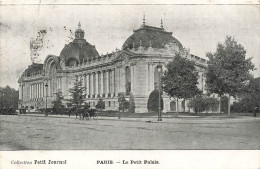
(32, 132)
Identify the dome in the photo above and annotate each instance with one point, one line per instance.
(151, 36)
(34, 69)
(79, 50)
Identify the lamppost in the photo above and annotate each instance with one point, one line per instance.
(46, 113)
(159, 68)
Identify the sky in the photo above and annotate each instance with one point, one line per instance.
(197, 27)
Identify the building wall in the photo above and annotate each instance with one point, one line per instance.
(105, 79)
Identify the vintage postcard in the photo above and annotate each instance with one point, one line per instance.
(129, 84)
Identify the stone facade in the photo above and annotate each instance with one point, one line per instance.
(131, 69)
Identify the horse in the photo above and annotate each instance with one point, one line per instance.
(92, 113)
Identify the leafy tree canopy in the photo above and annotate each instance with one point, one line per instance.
(228, 69)
(100, 104)
(77, 93)
(181, 78)
(123, 103)
(8, 97)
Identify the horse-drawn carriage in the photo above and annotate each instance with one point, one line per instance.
(87, 113)
(83, 112)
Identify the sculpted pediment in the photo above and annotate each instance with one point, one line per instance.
(123, 56)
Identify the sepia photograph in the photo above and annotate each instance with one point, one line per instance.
(128, 75)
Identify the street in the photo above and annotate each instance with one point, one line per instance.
(31, 132)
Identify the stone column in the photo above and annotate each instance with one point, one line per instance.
(43, 92)
(113, 82)
(91, 85)
(20, 89)
(30, 91)
(33, 89)
(117, 82)
(101, 83)
(37, 90)
(107, 83)
(57, 83)
(132, 77)
(97, 91)
(61, 86)
(148, 79)
(87, 85)
(94, 84)
(84, 83)
(40, 89)
(39, 86)
(122, 79)
(151, 77)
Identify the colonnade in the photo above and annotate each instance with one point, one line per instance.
(103, 83)
(37, 90)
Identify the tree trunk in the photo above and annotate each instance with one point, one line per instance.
(228, 105)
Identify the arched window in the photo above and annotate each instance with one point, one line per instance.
(127, 80)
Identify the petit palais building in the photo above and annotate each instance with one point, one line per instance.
(133, 69)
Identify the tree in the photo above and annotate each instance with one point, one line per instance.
(153, 101)
(197, 104)
(57, 103)
(131, 103)
(249, 101)
(228, 70)
(200, 104)
(77, 94)
(180, 79)
(100, 104)
(211, 104)
(9, 97)
(123, 104)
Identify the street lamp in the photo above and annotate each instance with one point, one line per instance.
(159, 68)
(46, 85)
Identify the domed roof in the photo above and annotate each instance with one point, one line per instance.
(150, 36)
(79, 49)
(34, 69)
